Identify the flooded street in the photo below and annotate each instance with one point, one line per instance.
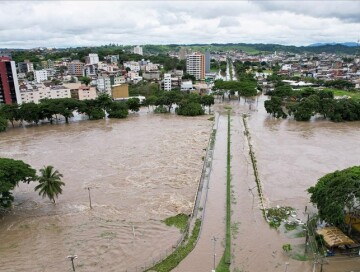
(140, 171)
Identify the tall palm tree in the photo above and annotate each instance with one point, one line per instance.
(49, 183)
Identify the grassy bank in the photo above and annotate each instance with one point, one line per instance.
(224, 265)
(180, 253)
(180, 221)
(353, 95)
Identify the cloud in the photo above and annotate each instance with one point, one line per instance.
(76, 23)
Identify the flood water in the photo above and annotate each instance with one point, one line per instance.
(146, 168)
(141, 170)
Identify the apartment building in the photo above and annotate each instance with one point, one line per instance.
(167, 82)
(138, 50)
(25, 67)
(9, 84)
(40, 76)
(36, 92)
(75, 68)
(195, 65)
(92, 58)
(132, 65)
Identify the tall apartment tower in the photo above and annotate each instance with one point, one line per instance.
(138, 50)
(195, 65)
(9, 84)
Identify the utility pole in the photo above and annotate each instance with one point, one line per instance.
(214, 240)
(286, 266)
(89, 197)
(72, 257)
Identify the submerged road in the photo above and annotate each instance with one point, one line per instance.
(213, 222)
(255, 246)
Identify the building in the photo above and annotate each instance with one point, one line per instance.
(75, 68)
(9, 84)
(36, 92)
(25, 67)
(40, 76)
(82, 92)
(167, 82)
(138, 50)
(207, 62)
(92, 59)
(119, 92)
(151, 75)
(195, 65)
(132, 65)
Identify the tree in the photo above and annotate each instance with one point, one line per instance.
(92, 109)
(274, 107)
(133, 104)
(190, 109)
(3, 124)
(337, 194)
(30, 112)
(85, 80)
(104, 101)
(207, 100)
(11, 173)
(188, 76)
(118, 110)
(49, 183)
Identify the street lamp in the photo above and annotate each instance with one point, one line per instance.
(286, 266)
(72, 257)
(89, 197)
(214, 239)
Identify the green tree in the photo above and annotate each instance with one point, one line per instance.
(337, 194)
(11, 173)
(118, 110)
(3, 124)
(207, 100)
(188, 76)
(104, 101)
(10, 112)
(85, 80)
(49, 183)
(133, 104)
(190, 109)
(92, 109)
(274, 107)
(30, 112)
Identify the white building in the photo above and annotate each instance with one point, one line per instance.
(104, 84)
(138, 50)
(132, 65)
(34, 93)
(187, 86)
(195, 65)
(40, 76)
(167, 82)
(93, 59)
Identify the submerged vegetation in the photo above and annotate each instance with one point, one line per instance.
(180, 221)
(180, 253)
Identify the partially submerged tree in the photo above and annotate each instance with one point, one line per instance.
(49, 183)
(337, 194)
(11, 173)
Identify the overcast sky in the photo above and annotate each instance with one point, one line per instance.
(31, 24)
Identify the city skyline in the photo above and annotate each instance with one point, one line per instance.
(60, 24)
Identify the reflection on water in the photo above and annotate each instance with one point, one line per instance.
(140, 171)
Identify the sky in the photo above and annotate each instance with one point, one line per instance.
(29, 24)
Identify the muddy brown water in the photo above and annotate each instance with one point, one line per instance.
(144, 169)
(140, 171)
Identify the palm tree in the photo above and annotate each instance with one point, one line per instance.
(49, 183)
